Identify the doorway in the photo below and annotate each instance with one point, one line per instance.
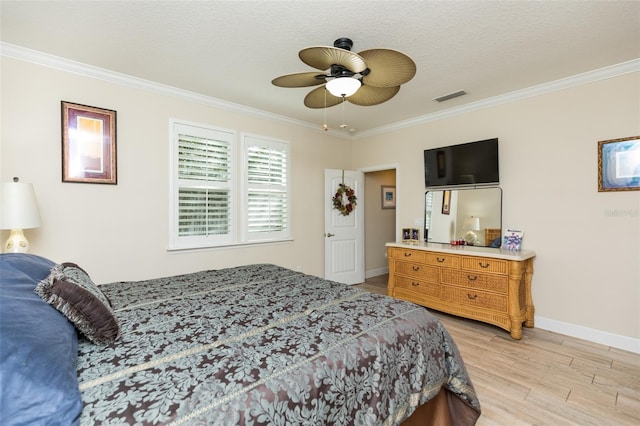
(379, 219)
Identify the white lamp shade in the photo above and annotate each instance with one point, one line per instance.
(18, 207)
(472, 223)
(343, 86)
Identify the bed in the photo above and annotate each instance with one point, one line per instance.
(255, 344)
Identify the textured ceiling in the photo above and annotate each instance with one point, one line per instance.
(231, 50)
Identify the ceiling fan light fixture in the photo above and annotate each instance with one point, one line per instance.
(343, 86)
(367, 78)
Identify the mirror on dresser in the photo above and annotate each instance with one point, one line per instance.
(451, 214)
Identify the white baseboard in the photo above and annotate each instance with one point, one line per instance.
(376, 272)
(597, 336)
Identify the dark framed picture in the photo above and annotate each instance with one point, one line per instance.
(388, 197)
(446, 202)
(619, 164)
(415, 235)
(88, 144)
(406, 234)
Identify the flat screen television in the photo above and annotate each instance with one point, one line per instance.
(468, 164)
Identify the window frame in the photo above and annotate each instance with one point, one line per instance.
(238, 187)
(250, 140)
(177, 242)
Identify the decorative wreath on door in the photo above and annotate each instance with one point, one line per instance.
(345, 207)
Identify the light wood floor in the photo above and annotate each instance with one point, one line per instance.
(545, 378)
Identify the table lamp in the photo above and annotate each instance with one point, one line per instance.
(18, 211)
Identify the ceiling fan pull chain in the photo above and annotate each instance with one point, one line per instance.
(343, 125)
(324, 126)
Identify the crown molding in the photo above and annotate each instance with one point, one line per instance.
(51, 61)
(541, 89)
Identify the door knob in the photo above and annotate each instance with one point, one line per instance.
(329, 235)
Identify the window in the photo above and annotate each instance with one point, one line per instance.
(203, 181)
(211, 185)
(267, 188)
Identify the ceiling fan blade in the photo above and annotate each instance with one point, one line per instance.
(322, 57)
(316, 98)
(370, 95)
(301, 79)
(388, 67)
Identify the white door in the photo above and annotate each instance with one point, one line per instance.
(344, 235)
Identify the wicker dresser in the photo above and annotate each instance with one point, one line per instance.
(480, 283)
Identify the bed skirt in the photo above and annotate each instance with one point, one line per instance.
(445, 409)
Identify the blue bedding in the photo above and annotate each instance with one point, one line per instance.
(38, 349)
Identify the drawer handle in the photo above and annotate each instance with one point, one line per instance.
(415, 284)
(406, 254)
(472, 297)
(415, 268)
(470, 278)
(486, 265)
(441, 259)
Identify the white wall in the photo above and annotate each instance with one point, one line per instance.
(587, 271)
(120, 232)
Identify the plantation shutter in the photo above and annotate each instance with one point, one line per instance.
(203, 186)
(428, 208)
(267, 189)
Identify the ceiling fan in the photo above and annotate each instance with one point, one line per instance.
(367, 78)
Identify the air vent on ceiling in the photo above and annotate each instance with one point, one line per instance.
(450, 96)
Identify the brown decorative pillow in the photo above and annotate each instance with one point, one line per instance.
(69, 289)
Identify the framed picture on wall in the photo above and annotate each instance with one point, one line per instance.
(446, 202)
(88, 144)
(619, 164)
(388, 197)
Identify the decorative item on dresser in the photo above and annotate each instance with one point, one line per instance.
(481, 283)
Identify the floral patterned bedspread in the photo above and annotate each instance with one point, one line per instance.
(261, 344)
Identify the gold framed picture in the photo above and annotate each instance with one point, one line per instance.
(619, 164)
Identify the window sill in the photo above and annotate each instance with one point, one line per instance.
(229, 246)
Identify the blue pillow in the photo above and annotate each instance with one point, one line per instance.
(38, 349)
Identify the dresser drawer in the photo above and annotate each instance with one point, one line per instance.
(418, 286)
(408, 254)
(476, 281)
(441, 259)
(481, 284)
(484, 264)
(478, 299)
(418, 271)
